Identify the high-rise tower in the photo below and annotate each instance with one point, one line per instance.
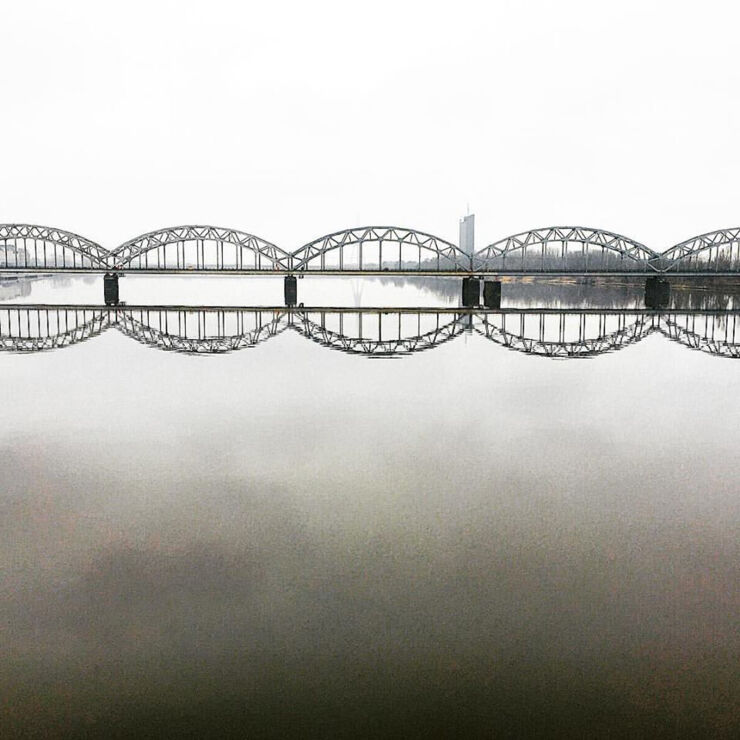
(467, 234)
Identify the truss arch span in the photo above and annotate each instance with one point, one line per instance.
(566, 249)
(199, 248)
(380, 248)
(45, 247)
(715, 251)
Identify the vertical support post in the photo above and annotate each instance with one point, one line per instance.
(492, 293)
(657, 293)
(110, 289)
(290, 289)
(470, 292)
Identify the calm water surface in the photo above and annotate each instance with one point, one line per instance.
(293, 541)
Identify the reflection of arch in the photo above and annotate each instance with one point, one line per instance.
(370, 332)
(716, 251)
(44, 247)
(198, 248)
(430, 330)
(35, 330)
(199, 331)
(566, 334)
(714, 334)
(422, 251)
(543, 250)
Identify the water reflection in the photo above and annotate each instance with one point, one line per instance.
(374, 332)
(292, 542)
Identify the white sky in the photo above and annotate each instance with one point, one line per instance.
(293, 119)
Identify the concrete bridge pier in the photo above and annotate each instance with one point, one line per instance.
(492, 293)
(110, 289)
(470, 292)
(290, 290)
(657, 292)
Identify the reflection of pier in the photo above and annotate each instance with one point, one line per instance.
(373, 332)
(374, 250)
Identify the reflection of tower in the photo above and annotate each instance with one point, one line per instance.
(467, 234)
(357, 286)
(470, 284)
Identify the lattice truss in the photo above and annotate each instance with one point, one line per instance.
(366, 249)
(717, 251)
(199, 248)
(564, 249)
(375, 334)
(381, 248)
(28, 246)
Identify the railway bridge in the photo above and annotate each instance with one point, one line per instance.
(553, 251)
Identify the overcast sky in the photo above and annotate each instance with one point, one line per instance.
(293, 119)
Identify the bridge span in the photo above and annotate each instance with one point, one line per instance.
(555, 251)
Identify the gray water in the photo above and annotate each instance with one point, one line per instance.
(293, 541)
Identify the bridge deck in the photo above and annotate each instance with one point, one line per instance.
(458, 310)
(369, 273)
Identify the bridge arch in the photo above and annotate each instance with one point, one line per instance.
(565, 334)
(380, 248)
(564, 249)
(386, 334)
(46, 247)
(199, 331)
(198, 248)
(715, 251)
(714, 334)
(37, 329)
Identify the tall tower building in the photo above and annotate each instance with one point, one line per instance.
(467, 234)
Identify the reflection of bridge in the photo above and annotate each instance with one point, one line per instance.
(368, 250)
(375, 332)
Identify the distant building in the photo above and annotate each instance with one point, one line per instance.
(13, 256)
(467, 234)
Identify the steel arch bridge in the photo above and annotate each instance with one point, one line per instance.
(380, 249)
(200, 331)
(565, 334)
(24, 246)
(551, 249)
(579, 250)
(201, 248)
(425, 331)
(30, 329)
